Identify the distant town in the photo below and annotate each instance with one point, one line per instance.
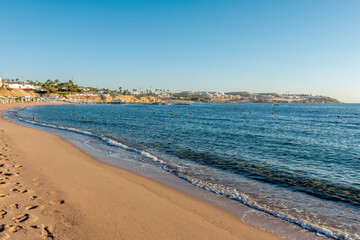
(14, 90)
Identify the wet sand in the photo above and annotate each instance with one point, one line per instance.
(50, 189)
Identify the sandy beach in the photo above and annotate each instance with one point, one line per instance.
(51, 190)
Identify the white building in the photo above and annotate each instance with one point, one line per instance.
(22, 86)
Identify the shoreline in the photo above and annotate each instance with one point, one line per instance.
(98, 201)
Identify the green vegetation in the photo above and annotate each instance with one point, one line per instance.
(56, 86)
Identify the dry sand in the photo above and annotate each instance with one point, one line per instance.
(51, 190)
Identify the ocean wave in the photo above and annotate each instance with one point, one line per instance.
(105, 139)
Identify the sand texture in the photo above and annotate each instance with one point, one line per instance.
(51, 190)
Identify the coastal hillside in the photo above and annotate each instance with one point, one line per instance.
(16, 93)
(247, 97)
(30, 96)
(35, 91)
(118, 98)
(109, 98)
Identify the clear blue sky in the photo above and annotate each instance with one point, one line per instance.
(304, 46)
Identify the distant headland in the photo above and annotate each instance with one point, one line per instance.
(14, 90)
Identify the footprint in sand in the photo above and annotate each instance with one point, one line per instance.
(32, 197)
(15, 228)
(21, 218)
(4, 195)
(18, 191)
(14, 206)
(32, 207)
(3, 184)
(4, 179)
(45, 232)
(55, 202)
(2, 214)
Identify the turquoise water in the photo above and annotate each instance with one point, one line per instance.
(299, 162)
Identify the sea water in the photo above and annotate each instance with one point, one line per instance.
(296, 162)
